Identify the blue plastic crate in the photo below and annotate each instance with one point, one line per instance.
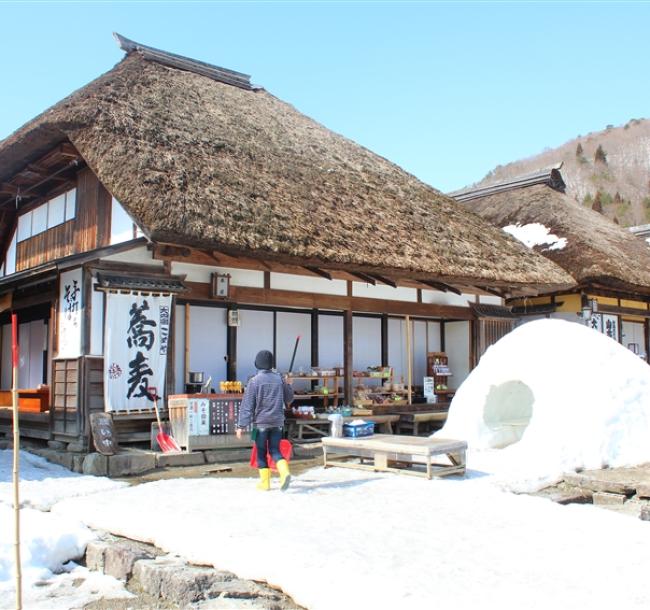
(358, 430)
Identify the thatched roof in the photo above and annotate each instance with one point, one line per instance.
(205, 164)
(598, 253)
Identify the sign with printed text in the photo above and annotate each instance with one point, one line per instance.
(136, 343)
(70, 314)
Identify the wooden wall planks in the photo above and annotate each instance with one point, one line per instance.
(90, 229)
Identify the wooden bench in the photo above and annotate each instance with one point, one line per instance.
(402, 454)
(321, 426)
(410, 423)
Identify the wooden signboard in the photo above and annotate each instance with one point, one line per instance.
(101, 425)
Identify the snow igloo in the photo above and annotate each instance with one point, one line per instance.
(557, 392)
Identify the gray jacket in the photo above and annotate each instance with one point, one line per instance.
(264, 399)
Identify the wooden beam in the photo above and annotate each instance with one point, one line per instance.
(347, 356)
(68, 150)
(364, 277)
(496, 293)
(440, 286)
(307, 300)
(385, 280)
(267, 280)
(320, 272)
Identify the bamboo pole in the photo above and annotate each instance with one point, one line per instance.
(409, 359)
(16, 478)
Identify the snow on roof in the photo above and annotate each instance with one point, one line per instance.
(558, 397)
(536, 234)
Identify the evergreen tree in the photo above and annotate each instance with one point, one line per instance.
(597, 205)
(579, 151)
(600, 156)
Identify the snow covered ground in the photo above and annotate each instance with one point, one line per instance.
(340, 539)
(48, 541)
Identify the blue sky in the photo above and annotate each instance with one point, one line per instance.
(446, 90)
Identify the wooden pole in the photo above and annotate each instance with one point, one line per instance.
(409, 359)
(16, 477)
(186, 361)
(347, 356)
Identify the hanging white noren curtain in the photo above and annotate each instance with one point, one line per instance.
(135, 356)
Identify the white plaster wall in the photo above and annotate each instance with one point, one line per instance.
(255, 333)
(434, 336)
(32, 338)
(138, 255)
(447, 298)
(366, 342)
(97, 321)
(202, 273)
(330, 341)
(289, 326)
(208, 332)
(491, 300)
(306, 283)
(381, 291)
(397, 348)
(419, 348)
(457, 349)
(121, 223)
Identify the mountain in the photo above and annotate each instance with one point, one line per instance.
(609, 169)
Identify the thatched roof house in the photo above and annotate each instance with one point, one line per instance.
(225, 166)
(598, 253)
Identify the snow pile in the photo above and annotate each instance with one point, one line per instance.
(49, 542)
(43, 483)
(536, 234)
(576, 399)
(348, 540)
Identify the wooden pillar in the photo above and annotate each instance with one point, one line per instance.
(275, 339)
(443, 347)
(384, 340)
(347, 355)
(314, 337)
(231, 347)
(646, 334)
(186, 358)
(409, 360)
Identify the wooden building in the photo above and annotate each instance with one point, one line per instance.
(610, 265)
(168, 178)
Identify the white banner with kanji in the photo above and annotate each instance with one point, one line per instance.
(70, 314)
(135, 356)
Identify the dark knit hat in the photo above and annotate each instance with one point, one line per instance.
(264, 360)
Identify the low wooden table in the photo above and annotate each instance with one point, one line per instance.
(321, 426)
(409, 423)
(403, 451)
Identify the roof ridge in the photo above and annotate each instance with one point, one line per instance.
(222, 75)
(550, 176)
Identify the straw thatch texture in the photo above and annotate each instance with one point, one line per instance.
(204, 164)
(598, 251)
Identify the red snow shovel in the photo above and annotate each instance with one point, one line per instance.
(165, 442)
(285, 449)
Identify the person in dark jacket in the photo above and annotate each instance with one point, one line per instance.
(263, 406)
